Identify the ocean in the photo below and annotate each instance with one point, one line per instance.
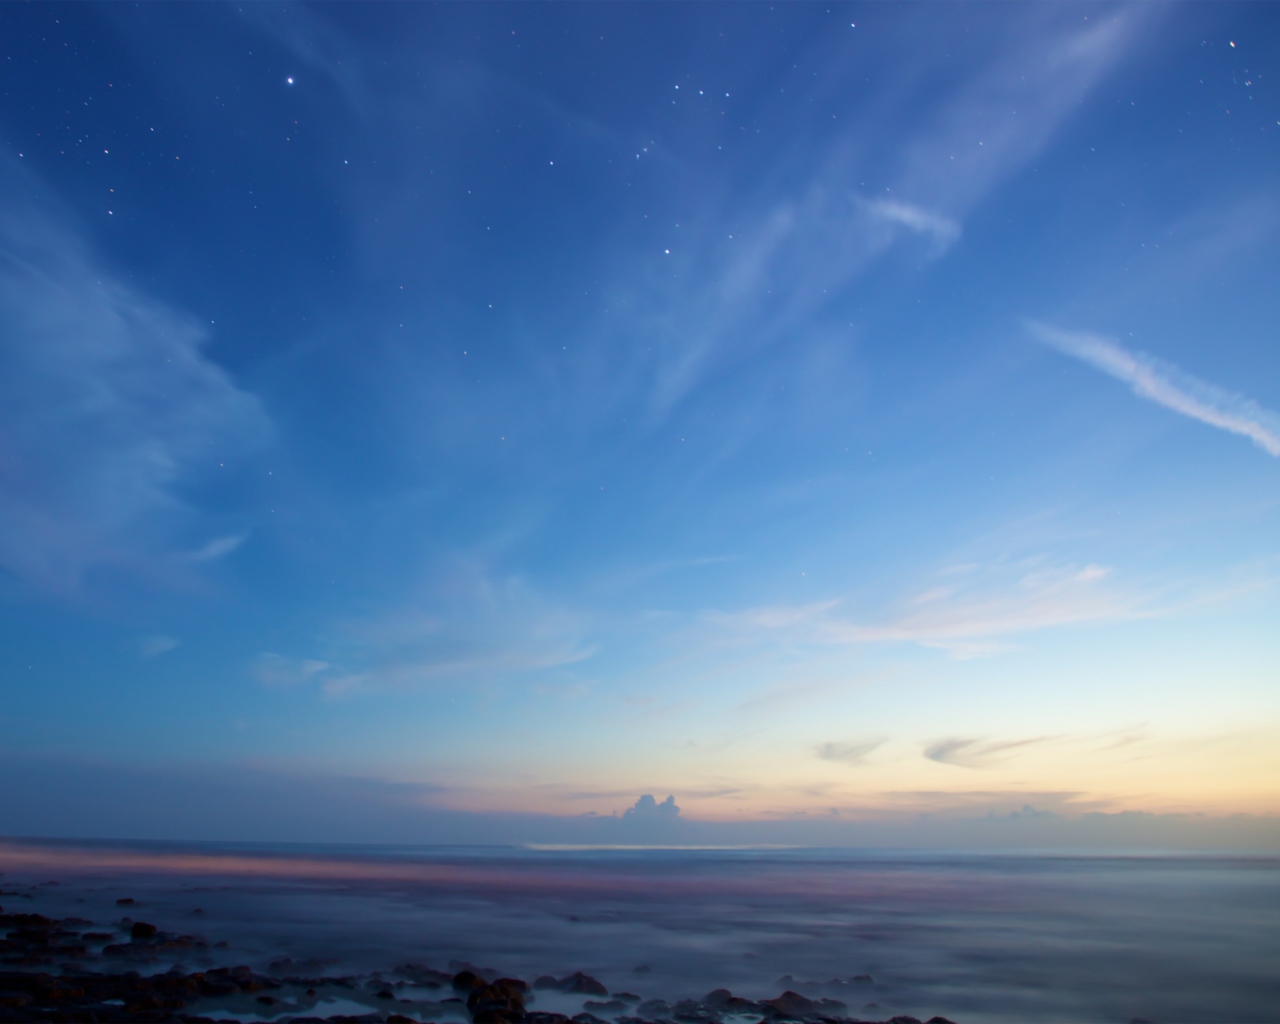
(973, 937)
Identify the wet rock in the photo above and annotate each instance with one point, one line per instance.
(627, 997)
(943, 1020)
(793, 1006)
(653, 1008)
(126, 901)
(142, 930)
(421, 974)
(466, 981)
(501, 1002)
(541, 1017)
(726, 1002)
(902, 1019)
(576, 983)
(586, 1018)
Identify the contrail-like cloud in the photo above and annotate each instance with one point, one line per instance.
(1164, 383)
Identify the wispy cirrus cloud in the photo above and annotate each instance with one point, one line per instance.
(851, 753)
(971, 615)
(942, 229)
(1165, 384)
(272, 669)
(154, 646)
(975, 753)
(469, 627)
(218, 547)
(107, 403)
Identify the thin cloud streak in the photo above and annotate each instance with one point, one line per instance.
(849, 753)
(109, 405)
(973, 753)
(962, 622)
(1167, 385)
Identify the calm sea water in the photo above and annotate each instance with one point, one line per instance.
(984, 937)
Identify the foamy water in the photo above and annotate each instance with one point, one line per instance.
(982, 937)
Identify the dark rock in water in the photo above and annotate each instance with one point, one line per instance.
(126, 901)
(539, 1017)
(465, 981)
(943, 1020)
(790, 1004)
(142, 930)
(652, 1008)
(627, 997)
(545, 981)
(498, 1003)
(726, 1002)
(902, 1019)
(794, 1006)
(586, 1018)
(581, 984)
(421, 974)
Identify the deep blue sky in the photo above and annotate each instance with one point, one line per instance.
(804, 410)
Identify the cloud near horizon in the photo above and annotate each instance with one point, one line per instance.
(1165, 384)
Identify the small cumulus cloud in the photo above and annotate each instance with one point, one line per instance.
(154, 646)
(854, 753)
(974, 753)
(276, 670)
(647, 809)
(1165, 384)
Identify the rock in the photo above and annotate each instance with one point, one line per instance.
(142, 930)
(902, 1019)
(582, 984)
(586, 1018)
(725, 1001)
(127, 901)
(791, 1004)
(943, 1020)
(466, 981)
(653, 1008)
(627, 997)
(502, 1001)
(420, 974)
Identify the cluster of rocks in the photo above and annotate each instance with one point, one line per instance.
(33, 940)
(126, 996)
(76, 993)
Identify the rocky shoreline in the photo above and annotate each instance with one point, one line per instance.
(45, 976)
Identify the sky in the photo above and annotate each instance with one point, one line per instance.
(817, 413)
